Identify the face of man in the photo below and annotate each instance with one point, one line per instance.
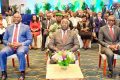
(48, 16)
(106, 16)
(84, 19)
(16, 18)
(111, 20)
(99, 14)
(64, 24)
(41, 14)
(58, 18)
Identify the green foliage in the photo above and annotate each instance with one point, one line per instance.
(37, 9)
(66, 59)
(63, 7)
(14, 7)
(47, 6)
(65, 62)
(28, 11)
(84, 6)
(93, 8)
(72, 7)
(56, 8)
(102, 4)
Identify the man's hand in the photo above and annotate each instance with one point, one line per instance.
(15, 44)
(113, 47)
(11, 45)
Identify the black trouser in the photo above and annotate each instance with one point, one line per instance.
(43, 39)
(1, 37)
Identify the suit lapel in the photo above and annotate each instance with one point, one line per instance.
(115, 32)
(60, 36)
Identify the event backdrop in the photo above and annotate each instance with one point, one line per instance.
(42, 5)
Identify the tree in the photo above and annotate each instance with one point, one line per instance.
(47, 6)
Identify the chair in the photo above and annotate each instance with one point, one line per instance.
(103, 56)
(116, 56)
(13, 60)
(39, 41)
(47, 58)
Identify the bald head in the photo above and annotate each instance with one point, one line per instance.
(64, 24)
(17, 18)
(111, 20)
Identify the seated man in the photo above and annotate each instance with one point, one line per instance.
(64, 39)
(17, 39)
(109, 38)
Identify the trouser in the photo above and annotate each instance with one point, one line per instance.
(43, 41)
(110, 56)
(20, 52)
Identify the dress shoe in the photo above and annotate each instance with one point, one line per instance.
(42, 49)
(4, 75)
(119, 74)
(110, 74)
(22, 76)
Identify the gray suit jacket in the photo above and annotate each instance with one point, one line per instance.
(44, 23)
(118, 22)
(105, 38)
(71, 43)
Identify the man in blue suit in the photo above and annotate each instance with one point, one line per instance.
(17, 39)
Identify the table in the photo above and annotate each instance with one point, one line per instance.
(54, 72)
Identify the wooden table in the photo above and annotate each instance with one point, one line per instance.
(54, 72)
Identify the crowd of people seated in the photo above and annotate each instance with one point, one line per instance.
(62, 29)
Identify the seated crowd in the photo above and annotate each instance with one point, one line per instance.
(59, 31)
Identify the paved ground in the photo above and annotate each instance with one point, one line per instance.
(37, 69)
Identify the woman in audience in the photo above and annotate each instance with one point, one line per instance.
(4, 22)
(2, 30)
(85, 31)
(35, 29)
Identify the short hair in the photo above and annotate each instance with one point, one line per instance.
(112, 16)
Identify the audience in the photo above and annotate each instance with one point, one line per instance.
(85, 31)
(35, 27)
(45, 29)
(62, 28)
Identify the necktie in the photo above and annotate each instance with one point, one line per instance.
(64, 38)
(15, 33)
(112, 33)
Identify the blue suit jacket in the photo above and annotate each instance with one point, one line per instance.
(25, 36)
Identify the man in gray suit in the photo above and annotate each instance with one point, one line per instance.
(109, 37)
(63, 39)
(45, 29)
